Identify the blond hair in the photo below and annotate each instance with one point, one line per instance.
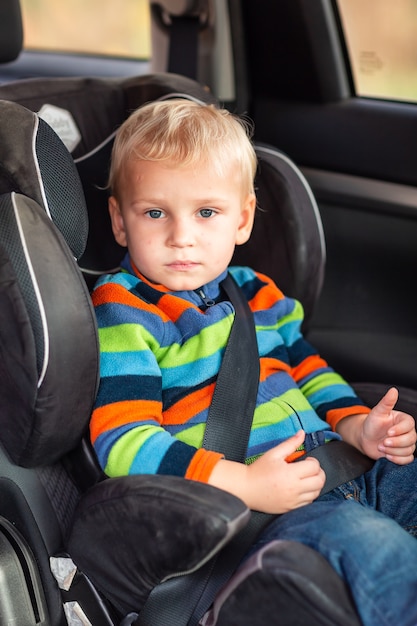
(187, 133)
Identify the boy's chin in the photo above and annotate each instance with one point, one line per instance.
(187, 283)
(183, 285)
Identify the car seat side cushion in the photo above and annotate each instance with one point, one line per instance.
(158, 527)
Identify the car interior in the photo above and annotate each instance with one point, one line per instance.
(57, 509)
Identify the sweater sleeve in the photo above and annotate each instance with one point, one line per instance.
(327, 392)
(126, 428)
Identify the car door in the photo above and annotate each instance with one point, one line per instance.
(359, 154)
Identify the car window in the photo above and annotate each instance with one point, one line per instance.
(381, 37)
(118, 28)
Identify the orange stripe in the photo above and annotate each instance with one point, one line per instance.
(121, 413)
(308, 366)
(269, 365)
(265, 298)
(116, 294)
(187, 407)
(334, 416)
(202, 465)
(174, 307)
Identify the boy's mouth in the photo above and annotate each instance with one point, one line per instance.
(182, 266)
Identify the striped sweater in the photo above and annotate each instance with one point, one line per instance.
(160, 355)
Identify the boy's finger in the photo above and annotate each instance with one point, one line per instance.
(289, 447)
(387, 402)
(311, 467)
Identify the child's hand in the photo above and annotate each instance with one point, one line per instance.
(389, 433)
(271, 484)
(276, 486)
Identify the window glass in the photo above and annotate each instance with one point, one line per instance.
(118, 28)
(381, 37)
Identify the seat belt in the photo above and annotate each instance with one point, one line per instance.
(183, 45)
(185, 599)
(228, 428)
(229, 421)
(183, 31)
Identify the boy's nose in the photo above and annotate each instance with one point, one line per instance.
(180, 234)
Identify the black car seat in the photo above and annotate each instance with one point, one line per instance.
(44, 470)
(49, 369)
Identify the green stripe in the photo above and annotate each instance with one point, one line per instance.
(193, 436)
(296, 315)
(280, 408)
(208, 342)
(327, 379)
(124, 451)
(124, 338)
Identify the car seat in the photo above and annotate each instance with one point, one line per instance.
(49, 369)
(50, 366)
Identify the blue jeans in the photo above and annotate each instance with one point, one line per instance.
(366, 529)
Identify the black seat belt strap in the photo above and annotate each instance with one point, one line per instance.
(183, 45)
(231, 411)
(227, 430)
(341, 463)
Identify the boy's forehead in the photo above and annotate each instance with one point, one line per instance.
(211, 161)
(204, 177)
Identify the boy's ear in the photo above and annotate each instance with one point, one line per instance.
(117, 222)
(246, 219)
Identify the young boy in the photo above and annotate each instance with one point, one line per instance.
(181, 181)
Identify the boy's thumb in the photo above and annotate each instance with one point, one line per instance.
(387, 402)
(289, 447)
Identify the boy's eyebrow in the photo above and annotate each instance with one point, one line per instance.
(148, 200)
(201, 201)
(209, 200)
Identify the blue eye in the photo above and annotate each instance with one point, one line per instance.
(206, 212)
(155, 213)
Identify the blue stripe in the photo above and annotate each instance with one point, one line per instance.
(177, 459)
(108, 315)
(274, 433)
(340, 403)
(123, 388)
(270, 343)
(274, 386)
(151, 451)
(342, 392)
(105, 441)
(307, 420)
(127, 363)
(300, 350)
(191, 374)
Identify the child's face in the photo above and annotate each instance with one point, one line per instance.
(180, 224)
